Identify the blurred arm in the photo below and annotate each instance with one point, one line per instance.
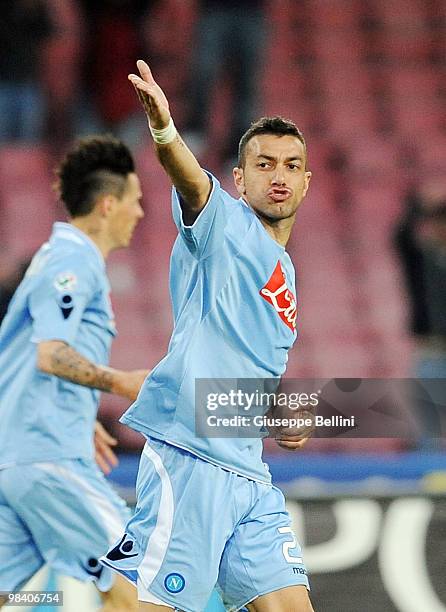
(59, 359)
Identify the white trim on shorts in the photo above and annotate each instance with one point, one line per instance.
(147, 597)
(160, 537)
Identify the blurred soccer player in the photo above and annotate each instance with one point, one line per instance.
(55, 505)
(207, 511)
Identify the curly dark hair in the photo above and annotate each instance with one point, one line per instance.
(96, 165)
(268, 125)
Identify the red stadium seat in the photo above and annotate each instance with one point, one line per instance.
(337, 47)
(416, 117)
(27, 203)
(402, 46)
(415, 82)
(332, 16)
(431, 152)
(394, 16)
(375, 211)
(372, 159)
(346, 80)
(349, 116)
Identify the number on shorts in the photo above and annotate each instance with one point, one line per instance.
(289, 545)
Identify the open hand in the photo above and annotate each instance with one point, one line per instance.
(151, 95)
(103, 442)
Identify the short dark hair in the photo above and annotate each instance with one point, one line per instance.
(96, 165)
(268, 125)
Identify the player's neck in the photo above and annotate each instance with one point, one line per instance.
(279, 231)
(91, 228)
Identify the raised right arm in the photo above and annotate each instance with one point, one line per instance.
(177, 159)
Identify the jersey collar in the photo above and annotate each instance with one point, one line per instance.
(73, 233)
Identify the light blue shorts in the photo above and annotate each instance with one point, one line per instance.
(196, 525)
(64, 514)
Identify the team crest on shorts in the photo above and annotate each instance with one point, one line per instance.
(277, 293)
(174, 583)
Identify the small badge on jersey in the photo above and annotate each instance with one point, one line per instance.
(276, 292)
(66, 281)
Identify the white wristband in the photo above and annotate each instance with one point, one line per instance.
(164, 135)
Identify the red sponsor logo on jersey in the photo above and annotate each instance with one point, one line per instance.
(276, 292)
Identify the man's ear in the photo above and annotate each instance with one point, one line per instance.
(239, 180)
(307, 181)
(105, 204)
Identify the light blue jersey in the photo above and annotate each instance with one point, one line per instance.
(233, 295)
(64, 296)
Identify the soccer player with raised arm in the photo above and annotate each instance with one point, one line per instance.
(55, 505)
(207, 512)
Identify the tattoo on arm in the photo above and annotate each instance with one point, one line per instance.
(70, 365)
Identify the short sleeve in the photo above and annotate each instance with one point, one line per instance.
(207, 232)
(58, 300)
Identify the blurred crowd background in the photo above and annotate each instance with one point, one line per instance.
(364, 80)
